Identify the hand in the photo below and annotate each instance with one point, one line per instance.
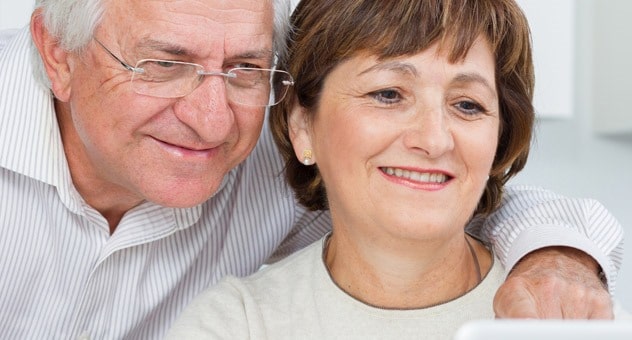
(554, 283)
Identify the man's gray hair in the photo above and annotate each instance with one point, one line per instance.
(73, 23)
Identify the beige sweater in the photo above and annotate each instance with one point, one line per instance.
(296, 299)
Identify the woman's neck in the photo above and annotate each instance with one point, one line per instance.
(406, 276)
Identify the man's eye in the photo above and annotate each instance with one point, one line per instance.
(245, 65)
(165, 64)
(163, 70)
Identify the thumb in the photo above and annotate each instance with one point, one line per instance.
(515, 303)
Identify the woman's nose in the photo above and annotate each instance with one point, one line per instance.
(429, 131)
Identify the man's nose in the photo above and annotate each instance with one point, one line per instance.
(206, 110)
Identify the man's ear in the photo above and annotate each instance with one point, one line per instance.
(300, 134)
(54, 57)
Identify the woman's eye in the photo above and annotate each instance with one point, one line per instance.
(469, 107)
(386, 96)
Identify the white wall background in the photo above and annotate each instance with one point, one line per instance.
(15, 13)
(568, 156)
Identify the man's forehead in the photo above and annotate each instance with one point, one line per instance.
(258, 14)
(217, 9)
(192, 24)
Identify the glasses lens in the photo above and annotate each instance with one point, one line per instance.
(281, 82)
(165, 79)
(244, 86)
(251, 86)
(248, 86)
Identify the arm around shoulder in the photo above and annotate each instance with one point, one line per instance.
(533, 218)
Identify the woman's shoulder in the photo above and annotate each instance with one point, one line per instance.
(241, 305)
(272, 282)
(288, 272)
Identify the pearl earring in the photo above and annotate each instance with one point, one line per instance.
(307, 157)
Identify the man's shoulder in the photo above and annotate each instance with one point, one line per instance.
(6, 36)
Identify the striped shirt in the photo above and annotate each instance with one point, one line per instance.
(63, 276)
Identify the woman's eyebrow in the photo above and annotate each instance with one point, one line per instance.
(473, 77)
(396, 66)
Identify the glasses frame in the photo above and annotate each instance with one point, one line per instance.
(201, 72)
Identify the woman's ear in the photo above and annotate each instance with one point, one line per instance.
(300, 135)
(54, 57)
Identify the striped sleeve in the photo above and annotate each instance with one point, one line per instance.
(533, 218)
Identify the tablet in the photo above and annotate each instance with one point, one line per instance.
(515, 329)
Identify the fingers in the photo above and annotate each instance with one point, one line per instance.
(513, 301)
(602, 307)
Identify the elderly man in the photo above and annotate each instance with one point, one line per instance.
(126, 185)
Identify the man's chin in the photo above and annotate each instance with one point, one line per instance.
(185, 196)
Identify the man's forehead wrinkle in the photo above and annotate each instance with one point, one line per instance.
(172, 11)
(227, 13)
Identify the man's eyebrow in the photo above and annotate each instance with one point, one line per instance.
(254, 54)
(152, 45)
(397, 66)
(157, 45)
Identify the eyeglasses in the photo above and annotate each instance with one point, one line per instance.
(174, 79)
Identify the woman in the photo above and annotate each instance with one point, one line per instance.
(405, 121)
